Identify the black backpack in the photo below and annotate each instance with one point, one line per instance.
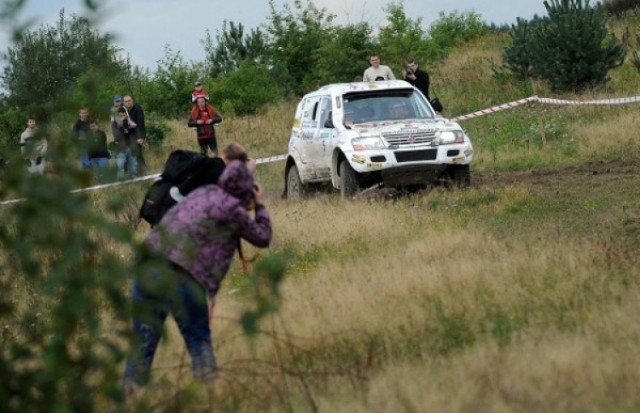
(180, 166)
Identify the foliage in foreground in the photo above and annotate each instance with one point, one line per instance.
(63, 304)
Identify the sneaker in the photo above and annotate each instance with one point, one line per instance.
(175, 194)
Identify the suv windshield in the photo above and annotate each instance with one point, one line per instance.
(385, 105)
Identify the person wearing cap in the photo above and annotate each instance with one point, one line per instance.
(199, 91)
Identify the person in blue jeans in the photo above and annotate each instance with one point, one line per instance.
(165, 288)
(183, 263)
(97, 150)
(126, 145)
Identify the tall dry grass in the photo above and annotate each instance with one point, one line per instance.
(501, 298)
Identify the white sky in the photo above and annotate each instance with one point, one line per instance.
(143, 27)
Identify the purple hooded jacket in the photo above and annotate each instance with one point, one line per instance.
(201, 233)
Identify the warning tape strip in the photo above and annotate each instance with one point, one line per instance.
(483, 112)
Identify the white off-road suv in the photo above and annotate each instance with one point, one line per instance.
(371, 134)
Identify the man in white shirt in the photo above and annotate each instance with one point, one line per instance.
(377, 71)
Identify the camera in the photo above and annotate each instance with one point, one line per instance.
(410, 71)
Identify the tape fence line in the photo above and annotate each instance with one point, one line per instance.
(476, 114)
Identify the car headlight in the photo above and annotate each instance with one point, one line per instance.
(450, 136)
(363, 144)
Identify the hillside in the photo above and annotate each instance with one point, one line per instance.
(517, 294)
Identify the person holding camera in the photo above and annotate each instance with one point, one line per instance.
(126, 144)
(418, 78)
(183, 263)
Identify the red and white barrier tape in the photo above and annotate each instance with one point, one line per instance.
(483, 112)
(493, 109)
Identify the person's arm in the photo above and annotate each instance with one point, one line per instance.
(390, 74)
(256, 231)
(192, 123)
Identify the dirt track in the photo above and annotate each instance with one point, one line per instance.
(601, 171)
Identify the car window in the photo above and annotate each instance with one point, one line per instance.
(386, 105)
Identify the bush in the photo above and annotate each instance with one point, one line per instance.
(246, 90)
(157, 128)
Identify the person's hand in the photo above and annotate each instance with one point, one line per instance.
(140, 141)
(132, 124)
(258, 193)
(199, 121)
(251, 165)
(209, 121)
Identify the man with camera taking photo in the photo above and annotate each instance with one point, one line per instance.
(417, 77)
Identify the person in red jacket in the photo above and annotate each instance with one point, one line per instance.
(203, 117)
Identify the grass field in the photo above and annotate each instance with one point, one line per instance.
(518, 294)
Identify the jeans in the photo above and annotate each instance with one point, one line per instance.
(128, 158)
(100, 167)
(156, 294)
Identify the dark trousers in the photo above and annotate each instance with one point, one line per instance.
(157, 293)
(208, 143)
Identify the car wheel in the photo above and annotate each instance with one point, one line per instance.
(295, 188)
(459, 176)
(348, 180)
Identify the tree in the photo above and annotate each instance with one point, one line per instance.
(573, 48)
(453, 29)
(345, 55)
(44, 65)
(402, 37)
(294, 43)
(246, 90)
(516, 55)
(232, 47)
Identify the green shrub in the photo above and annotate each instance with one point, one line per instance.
(246, 90)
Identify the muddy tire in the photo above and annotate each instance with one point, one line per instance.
(348, 180)
(295, 188)
(459, 176)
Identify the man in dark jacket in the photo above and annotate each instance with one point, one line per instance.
(126, 146)
(138, 127)
(79, 136)
(418, 78)
(97, 150)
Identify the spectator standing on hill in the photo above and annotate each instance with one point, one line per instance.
(126, 146)
(97, 150)
(33, 147)
(79, 136)
(203, 117)
(186, 258)
(117, 104)
(377, 71)
(417, 77)
(137, 125)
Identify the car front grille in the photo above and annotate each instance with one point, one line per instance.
(413, 156)
(404, 138)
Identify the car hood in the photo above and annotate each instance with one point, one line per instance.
(390, 127)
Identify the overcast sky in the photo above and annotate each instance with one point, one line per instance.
(143, 27)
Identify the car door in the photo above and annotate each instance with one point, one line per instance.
(322, 147)
(308, 131)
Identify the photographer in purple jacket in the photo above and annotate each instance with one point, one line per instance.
(184, 260)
